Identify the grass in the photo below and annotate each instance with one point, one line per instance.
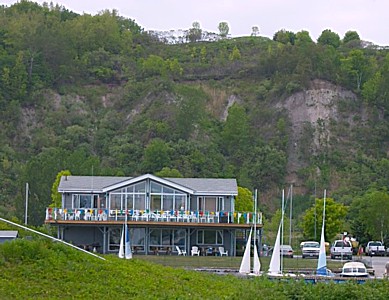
(232, 263)
(40, 269)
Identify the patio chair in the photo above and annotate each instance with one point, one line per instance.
(222, 251)
(195, 251)
(181, 252)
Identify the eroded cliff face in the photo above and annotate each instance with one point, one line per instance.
(311, 112)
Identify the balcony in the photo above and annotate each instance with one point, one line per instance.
(176, 216)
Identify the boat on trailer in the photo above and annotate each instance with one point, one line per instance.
(354, 269)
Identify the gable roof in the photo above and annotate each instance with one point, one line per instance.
(102, 184)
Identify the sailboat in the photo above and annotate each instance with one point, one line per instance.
(275, 266)
(125, 247)
(322, 261)
(275, 261)
(245, 266)
(121, 247)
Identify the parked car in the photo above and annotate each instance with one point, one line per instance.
(375, 248)
(287, 251)
(342, 249)
(310, 249)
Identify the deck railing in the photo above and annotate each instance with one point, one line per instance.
(93, 214)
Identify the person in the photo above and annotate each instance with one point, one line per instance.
(360, 250)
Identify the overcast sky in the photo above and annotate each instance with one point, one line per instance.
(368, 17)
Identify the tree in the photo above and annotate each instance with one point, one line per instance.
(167, 172)
(356, 65)
(351, 36)
(329, 38)
(223, 29)
(244, 201)
(285, 37)
(255, 31)
(156, 156)
(334, 219)
(235, 132)
(271, 228)
(235, 54)
(368, 215)
(56, 197)
(376, 89)
(195, 33)
(154, 65)
(303, 38)
(266, 166)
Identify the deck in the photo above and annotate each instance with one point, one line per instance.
(140, 218)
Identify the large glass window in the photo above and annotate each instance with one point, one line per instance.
(140, 187)
(166, 198)
(179, 237)
(167, 202)
(179, 202)
(167, 238)
(116, 202)
(130, 197)
(140, 201)
(156, 202)
(84, 201)
(210, 237)
(114, 239)
(161, 197)
(137, 238)
(156, 188)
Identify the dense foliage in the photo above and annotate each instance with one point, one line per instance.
(99, 95)
(42, 269)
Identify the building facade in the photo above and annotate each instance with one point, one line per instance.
(161, 213)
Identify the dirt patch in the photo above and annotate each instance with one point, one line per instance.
(314, 109)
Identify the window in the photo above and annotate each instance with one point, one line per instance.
(210, 204)
(220, 204)
(156, 188)
(114, 239)
(116, 202)
(167, 237)
(227, 203)
(179, 201)
(156, 202)
(210, 237)
(84, 201)
(137, 236)
(140, 201)
(167, 202)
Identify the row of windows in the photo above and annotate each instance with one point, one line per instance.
(161, 198)
(164, 238)
(157, 202)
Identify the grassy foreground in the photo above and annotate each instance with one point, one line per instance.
(40, 269)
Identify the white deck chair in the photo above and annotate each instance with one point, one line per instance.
(195, 251)
(181, 252)
(222, 251)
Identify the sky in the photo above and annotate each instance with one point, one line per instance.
(367, 17)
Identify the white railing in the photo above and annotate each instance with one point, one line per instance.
(93, 214)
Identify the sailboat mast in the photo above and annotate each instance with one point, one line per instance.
(282, 227)
(255, 216)
(290, 214)
(324, 209)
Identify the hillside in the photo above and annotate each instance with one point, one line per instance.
(121, 102)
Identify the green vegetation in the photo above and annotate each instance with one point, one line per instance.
(45, 270)
(99, 95)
